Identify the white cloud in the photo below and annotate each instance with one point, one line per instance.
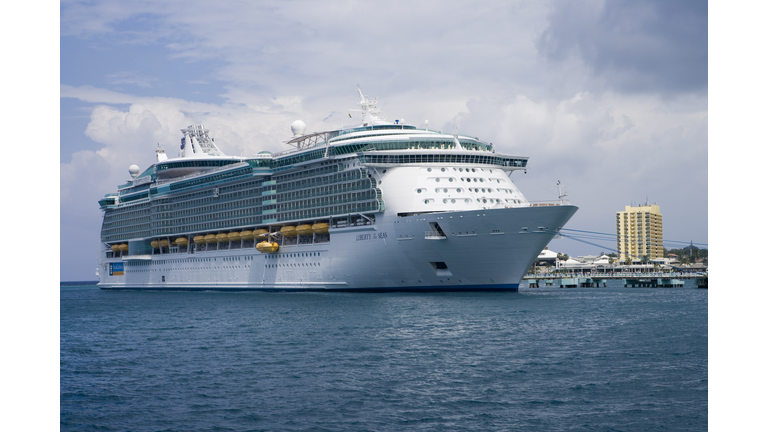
(131, 77)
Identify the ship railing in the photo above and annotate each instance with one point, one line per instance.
(547, 203)
(199, 173)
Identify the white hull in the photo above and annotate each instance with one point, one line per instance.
(486, 249)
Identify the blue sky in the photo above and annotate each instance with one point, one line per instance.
(610, 98)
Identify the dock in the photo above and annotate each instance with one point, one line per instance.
(629, 280)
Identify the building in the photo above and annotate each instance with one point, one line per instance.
(639, 233)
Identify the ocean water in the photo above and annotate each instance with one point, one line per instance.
(546, 359)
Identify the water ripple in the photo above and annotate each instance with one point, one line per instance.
(549, 359)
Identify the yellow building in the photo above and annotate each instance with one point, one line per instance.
(639, 232)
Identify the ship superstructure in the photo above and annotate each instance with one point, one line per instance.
(376, 207)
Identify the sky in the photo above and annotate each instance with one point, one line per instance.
(610, 98)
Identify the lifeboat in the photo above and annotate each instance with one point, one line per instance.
(182, 241)
(320, 228)
(288, 231)
(124, 247)
(155, 244)
(261, 234)
(234, 236)
(246, 235)
(115, 248)
(304, 230)
(210, 238)
(267, 247)
(164, 243)
(199, 239)
(222, 238)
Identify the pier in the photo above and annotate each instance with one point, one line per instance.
(629, 280)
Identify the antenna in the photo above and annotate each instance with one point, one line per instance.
(561, 194)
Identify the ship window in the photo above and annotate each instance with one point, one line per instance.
(442, 169)
(426, 201)
(429, 169)
(450, 179)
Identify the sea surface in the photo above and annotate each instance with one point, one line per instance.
(546, 359)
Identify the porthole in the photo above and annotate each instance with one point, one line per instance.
(442, 169)
(453, 201)
(466, 200)
(418, 190)
(429, 169)
(473, 170)
(426, 201)
(458, 190)
(445, 190)
(461, 169)
(437, 180)
(437, 190)
(481, 180)
(445, 201)
(450, 179)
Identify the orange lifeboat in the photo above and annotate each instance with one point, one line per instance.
(288, 231)
(267, 247)
(163, 243)
(261, 234)
(305, 230)
(124, 247)
(246, 235)
(222, 238)
(182, 241)
(234, 236)
(199, 239)
(320, 228)
(210, 238)
(155, 244)
(115, 248)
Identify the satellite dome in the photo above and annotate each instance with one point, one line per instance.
(133, 170)
(298, 127)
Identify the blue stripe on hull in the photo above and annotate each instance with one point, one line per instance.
(466, 288)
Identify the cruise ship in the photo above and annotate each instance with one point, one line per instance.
(378, 206)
